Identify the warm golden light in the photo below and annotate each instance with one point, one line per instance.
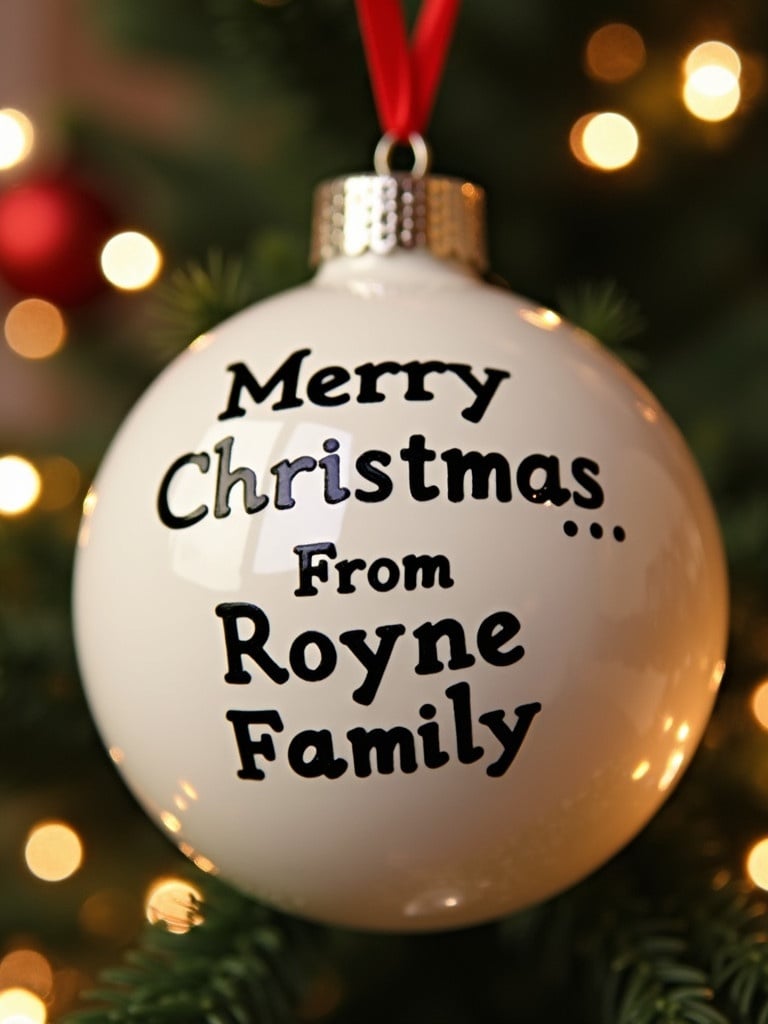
(174, 902)
(200, 342)
(546, 319)
(610, 141)
(717, 676)
(35, 329)
(17, 136)
(641, 770)
(606, 141)
(673, 766)
(614, 52)
(20, 1006)
(60, 482)
(204, 864)
(711, 91)
(53, 851)
(760, 704)
(131, 261)
(713, 54)
(711, 94)
(28, 969)
(188, 788)
(19, 485)
(683, 732)
(170, 821)
(757, 863)
(110, 914)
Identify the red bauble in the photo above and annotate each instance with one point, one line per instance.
(52, 230)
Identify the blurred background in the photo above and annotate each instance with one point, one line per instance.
(157, 162)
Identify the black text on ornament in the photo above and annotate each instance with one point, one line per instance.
(316, 753)
(427, 475)
(313, 656)
(334, 385)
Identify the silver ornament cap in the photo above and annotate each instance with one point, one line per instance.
(379, 213)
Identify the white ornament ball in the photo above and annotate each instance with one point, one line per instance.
(398, 600)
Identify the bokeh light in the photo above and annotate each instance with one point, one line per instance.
(760, 704)
(19, 485)
(713, 54)
(53, 851)
(711, 90)
(131, 261)
(28, 969)
(174, 902)
(614, 52)
(757, 863)
(110, 914)
(711, 94)
(606, 141)
(61, 482)
(35, 329)
(20, 1006)
(17, 137)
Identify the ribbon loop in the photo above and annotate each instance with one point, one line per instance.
(405, 78)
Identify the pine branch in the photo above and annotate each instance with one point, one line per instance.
(201, 295)
(607, 312)
(244, 964)
(731, 930)
(649, 978)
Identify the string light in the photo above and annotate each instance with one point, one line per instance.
(60, 482)
(712, 54)
(35, 329)
(53, 851)
(20, 1006)
(711, 90)
(131, 261)
(17, 137)
(606, 141)
(760, 704)
(28, 969)
(19, 485)
(110, 914)
(174, 902)
(757, 863)
(614, 52)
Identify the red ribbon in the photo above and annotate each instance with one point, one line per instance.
(405, 78)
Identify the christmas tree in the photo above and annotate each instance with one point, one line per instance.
(187, 139)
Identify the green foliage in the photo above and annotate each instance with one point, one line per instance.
(199, 296)
(605, 310)
(732, 933)
(652, 981)
(243, 965)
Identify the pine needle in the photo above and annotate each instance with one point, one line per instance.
(731, 930)
(608, 313)
(244, 964)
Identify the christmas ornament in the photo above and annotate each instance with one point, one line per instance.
(52, 230)
(399, 601)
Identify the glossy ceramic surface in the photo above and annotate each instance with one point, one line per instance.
(398, 600)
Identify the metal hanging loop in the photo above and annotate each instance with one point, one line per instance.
(388, 143)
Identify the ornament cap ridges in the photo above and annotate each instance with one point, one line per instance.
(379, 213)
